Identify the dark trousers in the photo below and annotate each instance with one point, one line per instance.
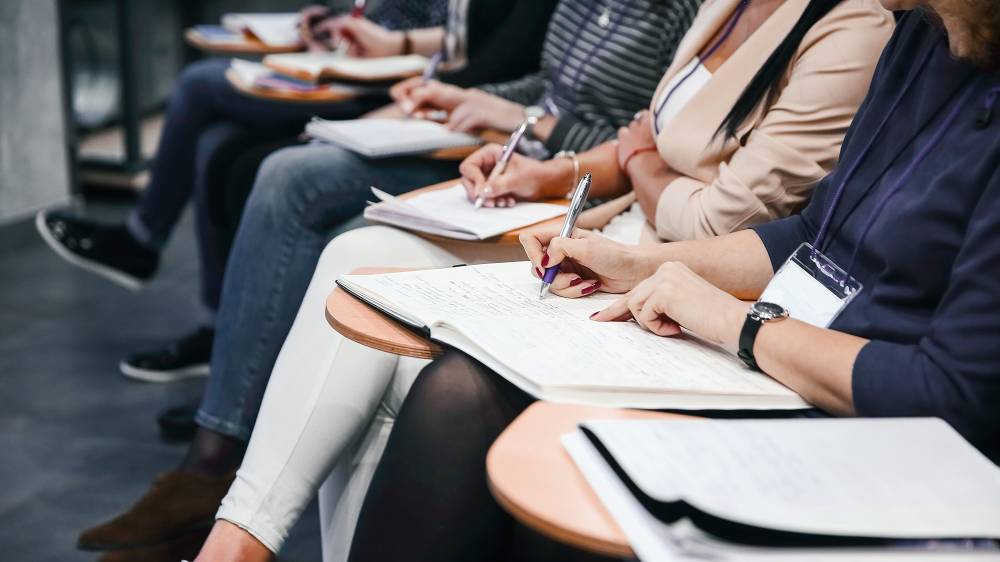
(208, 123)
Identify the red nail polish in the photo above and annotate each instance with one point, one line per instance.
(538, 272)
(575, 282)
(545, 260)
(595, 314)
(590, 289)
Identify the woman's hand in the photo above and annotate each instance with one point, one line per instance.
(676, 297)
(587, 261)
(638, 136)
(525, 179)
(365, 39)
(484, 111)
(417, 97)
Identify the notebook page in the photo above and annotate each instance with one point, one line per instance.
(655, 541)
(388, 137)
(891, 478)
(278, 29)
(552, 342)
(452, 206)
(311, 63)
(379, 68)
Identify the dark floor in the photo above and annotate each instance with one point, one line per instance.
(77, 440)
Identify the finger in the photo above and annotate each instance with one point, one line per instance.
(532, 242)
(401, 90)
(560, 249)
(652, 318)
(618, 311)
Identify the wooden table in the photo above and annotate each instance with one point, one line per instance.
(535, 480)
(245, 46)
(363, 324)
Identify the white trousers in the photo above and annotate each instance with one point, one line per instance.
(330, 403)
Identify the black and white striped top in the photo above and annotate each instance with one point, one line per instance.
(598, 75)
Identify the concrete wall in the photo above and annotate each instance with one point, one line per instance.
(33, 160)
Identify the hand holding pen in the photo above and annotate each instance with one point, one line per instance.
(575, 208)
(508, 151)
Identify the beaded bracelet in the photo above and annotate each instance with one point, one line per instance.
(576, 169)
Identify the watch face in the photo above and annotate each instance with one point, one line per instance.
(769, 311)
(534, 112)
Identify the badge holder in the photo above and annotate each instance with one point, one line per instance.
(811, 287)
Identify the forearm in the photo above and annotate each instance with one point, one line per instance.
(427, 41)
(649, 177)
(816, 363)
(736, 263)
(606, 179)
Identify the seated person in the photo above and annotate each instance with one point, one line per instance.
(911, 213)
(304, 193)
(324, 390)
(207, 116)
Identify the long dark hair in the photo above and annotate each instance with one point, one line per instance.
(764, 88)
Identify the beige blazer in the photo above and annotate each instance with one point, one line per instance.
(790, 145)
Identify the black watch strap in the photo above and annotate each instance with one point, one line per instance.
(748, 336)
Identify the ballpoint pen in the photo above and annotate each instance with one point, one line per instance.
(430, 72)
(575, 208)
(508, 151)
(357, 12)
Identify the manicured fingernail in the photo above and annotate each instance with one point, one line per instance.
(538, 272)
(575, 282)
(590, 288)
(545, 260)
(595, 314)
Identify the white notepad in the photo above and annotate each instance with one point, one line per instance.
(335, 66)
(552, 350)
(277, 29)
(448, 213)
(380, 138)
(829, 479)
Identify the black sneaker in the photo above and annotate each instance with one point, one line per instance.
(185, 358)
(109, 251)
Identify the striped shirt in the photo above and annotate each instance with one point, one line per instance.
(598, 76)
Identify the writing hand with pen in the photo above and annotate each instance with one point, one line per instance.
(524, 179)
(465, 110)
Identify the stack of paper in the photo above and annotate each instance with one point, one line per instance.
(448, 213)
(809, 489)
(380, 138)
(277, 30)
(335, 66)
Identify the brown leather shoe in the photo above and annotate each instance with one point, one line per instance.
(185, 547)
(176, 503)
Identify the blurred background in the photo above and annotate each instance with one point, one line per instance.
(83, 87)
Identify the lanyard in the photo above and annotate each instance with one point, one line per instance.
(570, 89)
(740, 10)
(907, 173)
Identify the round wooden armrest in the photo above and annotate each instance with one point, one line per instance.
(535, 480)
(248, 46)
(363, 324)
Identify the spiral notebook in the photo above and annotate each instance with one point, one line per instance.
(381, 138)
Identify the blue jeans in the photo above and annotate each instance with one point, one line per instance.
(301, 196)
(206, 115)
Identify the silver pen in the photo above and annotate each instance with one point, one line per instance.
(505, 156)
(575, 208)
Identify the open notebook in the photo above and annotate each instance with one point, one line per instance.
(381, 138)
(335, 66)
(778, 489)
(448, 213)
(552, 350)
(275, 29)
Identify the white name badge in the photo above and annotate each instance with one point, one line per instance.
(811, 287)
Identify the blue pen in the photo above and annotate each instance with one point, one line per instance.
(432, 67)
(575, 208)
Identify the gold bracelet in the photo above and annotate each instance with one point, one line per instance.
(576, 169)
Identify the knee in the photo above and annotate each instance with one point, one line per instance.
(198, 79)
(452, 385)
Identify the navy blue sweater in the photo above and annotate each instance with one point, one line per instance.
(930, 265)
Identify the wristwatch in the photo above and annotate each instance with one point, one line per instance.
(760, 313)
(532, 115)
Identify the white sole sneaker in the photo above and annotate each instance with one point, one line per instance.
(114, 275)
(146, 375)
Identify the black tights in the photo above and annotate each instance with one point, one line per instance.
(429, 499)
